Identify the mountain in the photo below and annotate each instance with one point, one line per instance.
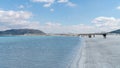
(116, 31)
(22, 32)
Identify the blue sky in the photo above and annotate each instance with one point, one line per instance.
(61, 15)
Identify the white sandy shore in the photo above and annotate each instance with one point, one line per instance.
(98, 53)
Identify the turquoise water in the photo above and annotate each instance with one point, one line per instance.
(37, 51)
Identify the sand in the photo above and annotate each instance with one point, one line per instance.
(98, 53)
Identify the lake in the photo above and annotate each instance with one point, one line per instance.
(38, 51)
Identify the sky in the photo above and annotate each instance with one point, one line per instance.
(61, 16)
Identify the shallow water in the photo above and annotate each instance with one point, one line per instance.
(37, 51)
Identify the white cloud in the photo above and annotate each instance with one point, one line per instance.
(118, 8)
(50, 24)
(52, 10)
(14, 14)
(59, 28)
(99, 24)
(62, 1)
(16, 19)
(48, 3)
(21, 7)
(107, 23)
(67, 2)
(21, 19)
(2, 28)
(44, 1)
(71, 4)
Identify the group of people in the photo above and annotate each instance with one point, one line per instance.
(104, 35)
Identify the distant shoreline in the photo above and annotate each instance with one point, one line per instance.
(75, 35)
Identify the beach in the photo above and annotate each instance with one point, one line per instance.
(98, 52)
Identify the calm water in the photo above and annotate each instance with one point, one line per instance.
(37, 52)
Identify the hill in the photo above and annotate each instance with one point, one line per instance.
(22, 32)
(116, 31)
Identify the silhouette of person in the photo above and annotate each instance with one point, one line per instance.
(89, 36)
(104, 35)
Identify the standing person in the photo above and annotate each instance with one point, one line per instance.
(104, 35)
(89, 36)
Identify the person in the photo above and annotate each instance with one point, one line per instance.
(89, 36)
(104, 35)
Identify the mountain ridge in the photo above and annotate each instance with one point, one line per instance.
(22, 32)
(116, 31)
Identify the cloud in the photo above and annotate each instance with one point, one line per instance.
(48, 3)
(118, 8)
(44, 1)
(67, 2)
(52, 10)
(16, 19)
(71, 4)
(50, 24)
(21, 6)
(52, 27)
(21, 19)
(62, 1)
(2, 28)
(99, 24)
(107, 23)
(14, 14)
